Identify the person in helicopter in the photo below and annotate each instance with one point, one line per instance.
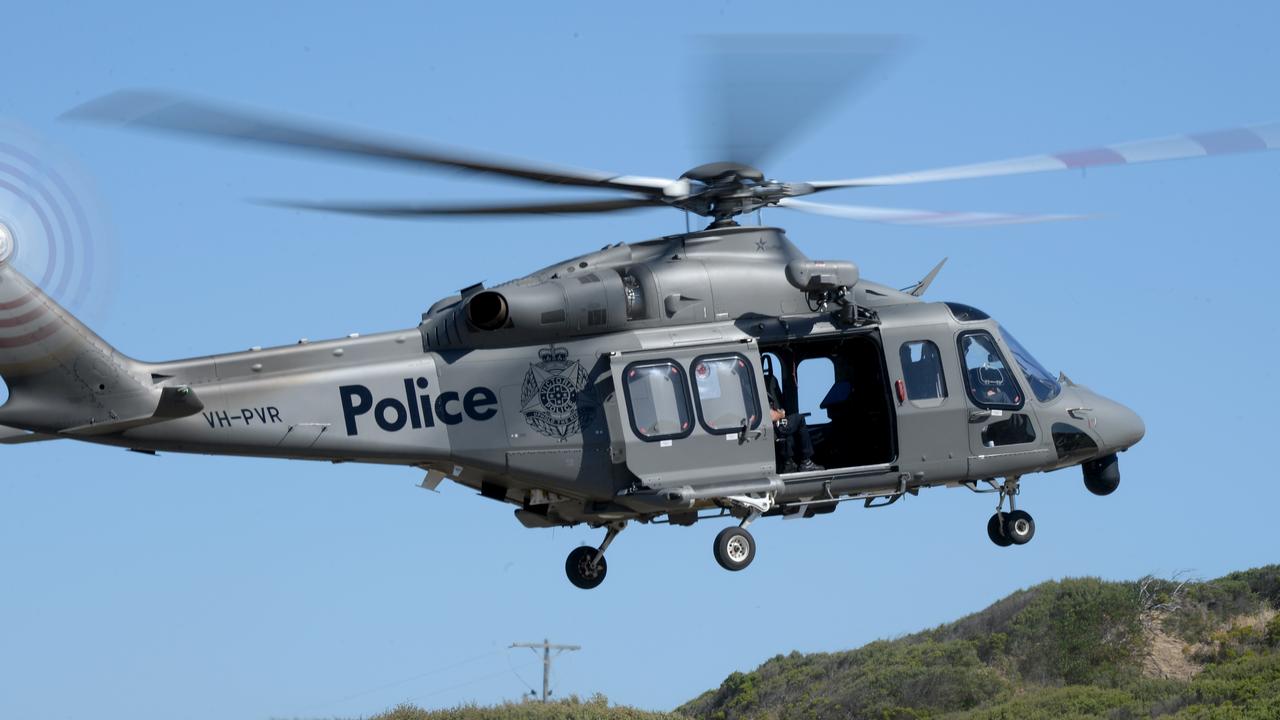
(795, 445)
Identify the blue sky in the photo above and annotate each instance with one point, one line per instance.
(149, 587)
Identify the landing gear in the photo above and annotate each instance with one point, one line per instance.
(586, 566)
(995, 531)
(1015, 527)
(1019, 528)
(735, 548)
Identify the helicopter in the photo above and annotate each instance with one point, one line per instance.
(655, 382)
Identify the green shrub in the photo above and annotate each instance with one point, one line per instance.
(1078, 632)
(1272, 633)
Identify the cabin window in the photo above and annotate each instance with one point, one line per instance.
(922, 373)
(658, 400)
(726, 394)
(990, 381)
(1015, 430)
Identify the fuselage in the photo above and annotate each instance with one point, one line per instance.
(540, 407)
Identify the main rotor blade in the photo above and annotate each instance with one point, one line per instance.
(170, 113)
(902, 216)
(759, 91)
(1253, 138)
(412, 211)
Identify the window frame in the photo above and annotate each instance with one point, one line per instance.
(684, 389)
(932, 402)
(1009, 370)
(755, 393)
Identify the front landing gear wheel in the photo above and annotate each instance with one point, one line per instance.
(583, 569)
(735, 548)
(995, 531)
(1019, 528)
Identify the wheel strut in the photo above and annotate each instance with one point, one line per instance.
(1008, 489)
(611, 532)
(1015, 527)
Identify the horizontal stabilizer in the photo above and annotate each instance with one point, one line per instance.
(175, 402)
(15, 436)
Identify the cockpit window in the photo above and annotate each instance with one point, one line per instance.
(1043, 385)
(990, 380)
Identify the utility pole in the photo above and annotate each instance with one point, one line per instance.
(546, 647)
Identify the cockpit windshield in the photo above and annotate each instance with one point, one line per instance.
(1043, 385)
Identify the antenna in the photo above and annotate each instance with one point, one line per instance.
(546, 647)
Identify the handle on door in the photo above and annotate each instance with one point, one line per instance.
(977, 416)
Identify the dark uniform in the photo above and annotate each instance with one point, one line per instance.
(797, 448)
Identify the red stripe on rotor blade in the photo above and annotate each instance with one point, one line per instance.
(24, 318)
(19, 302)
(1090, 158)
(1230, 141)
(30, 338)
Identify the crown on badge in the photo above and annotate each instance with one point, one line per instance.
(552, 353)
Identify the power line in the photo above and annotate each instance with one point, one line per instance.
(546, 646)
(472, 681)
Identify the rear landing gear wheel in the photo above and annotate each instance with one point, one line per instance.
(995, 531)
(735, 548)
(584, 569)
(1019, 528)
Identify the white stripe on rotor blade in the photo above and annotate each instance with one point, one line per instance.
(1170, 148)
(642, 181)
(904, 216)
(1029, 164)
(1270, 134)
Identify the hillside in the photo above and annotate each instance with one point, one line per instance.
(1078, 648)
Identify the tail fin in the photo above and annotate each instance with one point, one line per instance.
(59, 373)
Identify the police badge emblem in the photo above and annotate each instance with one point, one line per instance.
(555, 398)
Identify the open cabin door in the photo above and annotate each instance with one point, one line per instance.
(694, 416)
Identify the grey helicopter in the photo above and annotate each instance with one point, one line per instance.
(655, 382)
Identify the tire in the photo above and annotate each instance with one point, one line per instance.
(995, 531)
(582, 573)
(1019, 528)
(735, 548)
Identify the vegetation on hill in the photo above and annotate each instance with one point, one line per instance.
(1078, 648)
(595, 708)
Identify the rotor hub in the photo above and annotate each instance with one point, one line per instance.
(6, 243)
(719, 172)
(724, 190)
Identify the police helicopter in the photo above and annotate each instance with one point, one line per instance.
(652, 382)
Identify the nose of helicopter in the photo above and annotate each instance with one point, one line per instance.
(1120, 427)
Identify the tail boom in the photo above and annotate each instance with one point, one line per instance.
(60, 374)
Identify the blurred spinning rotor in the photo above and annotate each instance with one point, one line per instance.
(758, 92)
